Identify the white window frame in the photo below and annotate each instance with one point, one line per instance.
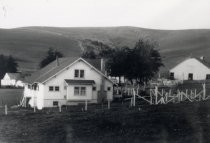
(80, 91)
(76, 93)
(79, 73)
(76, 74)
(58, 88)
(52, 88)
(83, 90)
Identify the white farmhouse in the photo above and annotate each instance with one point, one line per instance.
(12, 80)
(68, 81)
(191, 69)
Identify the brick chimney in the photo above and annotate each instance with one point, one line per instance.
(102, 66)
(102, 93)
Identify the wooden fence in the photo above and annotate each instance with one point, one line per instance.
(163, 96)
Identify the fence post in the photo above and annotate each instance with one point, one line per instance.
(186, 94)
(195, 94)
(204, 91)
(150, 93)
(108, 104)
(86, 105)
(34, 104)
(60, 109)
(131, 101)
(162, 96)
(191, 94)
(156, 95)
(166, 97)
(6, 109)
(24, 102)
(134, 98)
(179, 96)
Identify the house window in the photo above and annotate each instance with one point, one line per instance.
(208, 76)
(171, 75)
(109, 88)
(82, 73)
(190, 76)
(79, 73)
(76, 90)
(56, 88)
(51, 88)
(55, 103)
(83, 91)
(94, 88)
(76, 73)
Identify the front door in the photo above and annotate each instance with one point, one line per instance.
(190, 76)
(27, 101)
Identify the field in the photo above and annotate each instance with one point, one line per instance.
(172, 123)
(10, 96)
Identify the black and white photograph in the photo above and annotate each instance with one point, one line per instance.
(104, 71)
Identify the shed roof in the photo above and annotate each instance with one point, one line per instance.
(81, 82)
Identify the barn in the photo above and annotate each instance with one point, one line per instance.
(68, 81)
(191, 69)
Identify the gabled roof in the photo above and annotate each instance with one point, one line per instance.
(52, 69)
(15, 76)
(204, 62)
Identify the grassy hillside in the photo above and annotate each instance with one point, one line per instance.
(29, 44)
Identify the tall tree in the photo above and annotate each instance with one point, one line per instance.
(11, 64)
(140, 63)
(52, 54)
(7, 64)
(144, 61)
(117, 63)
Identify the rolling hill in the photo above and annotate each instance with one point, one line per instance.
(29, 44)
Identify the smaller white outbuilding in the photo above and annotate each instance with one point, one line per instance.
(191, 69)
(12, 80)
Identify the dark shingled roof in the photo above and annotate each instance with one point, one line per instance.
(207, 64)
(51, 69)
(83, 82)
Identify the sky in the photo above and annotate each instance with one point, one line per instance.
(154, 14)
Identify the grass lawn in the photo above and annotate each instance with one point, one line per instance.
(172, 123)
